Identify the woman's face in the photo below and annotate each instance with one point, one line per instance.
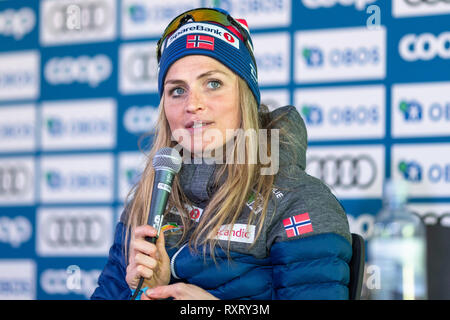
(201, 101)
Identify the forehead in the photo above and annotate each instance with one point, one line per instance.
(196, 64)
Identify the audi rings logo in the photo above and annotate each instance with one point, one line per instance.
(14, 180)
(344, 172)
(74, 231)
(84, 69)
(141, 67)
(17, 23)
(425, 46)
(94, 16)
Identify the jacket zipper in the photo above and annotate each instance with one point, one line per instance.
(172, 261)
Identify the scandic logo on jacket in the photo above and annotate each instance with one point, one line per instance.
(238, 233)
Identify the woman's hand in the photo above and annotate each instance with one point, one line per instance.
(178, 291)
(147, 260)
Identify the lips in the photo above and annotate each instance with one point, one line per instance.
(196, 125)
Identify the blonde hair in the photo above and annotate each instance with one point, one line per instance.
(230, 198)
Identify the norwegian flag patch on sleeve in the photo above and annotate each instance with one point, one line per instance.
(297, 225)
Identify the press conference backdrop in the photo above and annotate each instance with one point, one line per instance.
(78, 86)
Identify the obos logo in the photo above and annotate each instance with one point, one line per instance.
(315, 4)
(131, 166)
(313, 114)
(17, 23)
(77, 21)
(340, 54)
(17, 128)
(76, 231)
(15, 231)
(17, 280)
(412, 111)
(55, 282)
(140, 119)
(77, 178)
(425, 46)
(84, 69)
(19, 75)
(426, 168)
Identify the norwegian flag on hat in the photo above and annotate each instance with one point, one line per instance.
(297, 225)
(200, 41)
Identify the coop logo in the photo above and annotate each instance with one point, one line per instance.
(83, 69)
(17, 279)
(313, 57)
(425, 46)
(73, 231)
(410, 170)
(313, 115)
(316, 4)
(15, 231)
(54, 282)
(140, 119)
(90, 21)
(17, 23)
(412, 111)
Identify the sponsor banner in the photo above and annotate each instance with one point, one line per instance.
(138, 70)
(318, 4)
(272, 54)
(425, 167)
(432, 213)
(17, 279)
(17, 181)
(85, 69)
(331, 113)
(77, 178)
(77, 21)
(19, 75)
(258, 14)
(275, 98)
(416, 8)
(17, 23)
(141, 18)
(421, 109)
(78, 124)
(15, 231)
(340, 55)
(140, 119)
(69, 282)
(238, 233)
(65, 231)
(349, 171)
(424, 46)
(131, 166)
(17, 128)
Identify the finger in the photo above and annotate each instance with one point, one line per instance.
(161, 245)
(146, 261)
(144, 231)
(162, 292)
(143, 271)
(144, 247)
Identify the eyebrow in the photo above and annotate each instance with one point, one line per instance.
(203, 75)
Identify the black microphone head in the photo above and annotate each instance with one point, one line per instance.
(167, 159)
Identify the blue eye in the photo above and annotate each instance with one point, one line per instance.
(177, 91)
(214, 84)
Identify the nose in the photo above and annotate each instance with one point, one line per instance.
(195, 102)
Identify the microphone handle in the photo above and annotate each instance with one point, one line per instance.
(160, 195)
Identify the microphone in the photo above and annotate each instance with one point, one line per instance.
(167, 163)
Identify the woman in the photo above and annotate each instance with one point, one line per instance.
(232, 229)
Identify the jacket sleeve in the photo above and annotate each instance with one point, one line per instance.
(111, 283)
(311, 246)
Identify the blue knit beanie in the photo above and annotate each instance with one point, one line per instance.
(224, 44)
